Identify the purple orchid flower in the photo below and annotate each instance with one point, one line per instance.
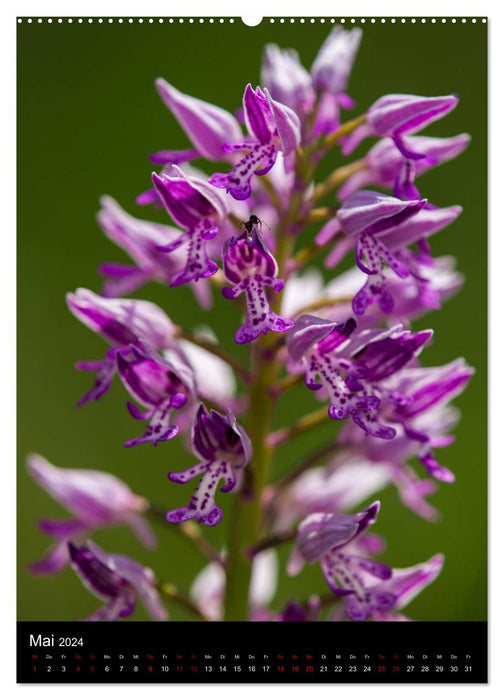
(414, 229)
(435, 281)
(141, 240)
(406, 584)
(223, 447)
(412, 491)
(353, 376)
(416, 402)
(160, 384)
(198, 208)
(294, 612)
(332, 67)
(117, 580)
(384, 161)
(324, 89)
(349, 479)
(324, 537)
(96, 499)
(382, 228)
(429, 390)
(287, 80)
(396, 116)
(328, 490)
(206, 125)
(365, 217)
(120, 322)
(330, 74)
(273, 128)
(251, 268)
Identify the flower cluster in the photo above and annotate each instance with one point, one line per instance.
(349, 336)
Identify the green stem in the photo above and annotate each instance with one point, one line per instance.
(343, 130)
(247, 516)
(303, 425)
(272, 193)
(318, 215)
(246, 522)
(172, 593)
(273, 541)
(306, 255)
(337, 178)
(286, 383)
(191, 531)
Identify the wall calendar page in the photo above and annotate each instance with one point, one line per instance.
(252, 349)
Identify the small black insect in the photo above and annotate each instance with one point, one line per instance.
(253, 221)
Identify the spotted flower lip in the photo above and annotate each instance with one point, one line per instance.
(273, 128)
(250, 267)
(96, 499)
(206, 125)
(352, 371)
(224, 447)
(384, 161)
(141, 240)
(160, 384)
(117, 580)
(370, 217)
(399, 115)
(424, 273)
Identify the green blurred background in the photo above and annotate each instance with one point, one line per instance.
(88, 116)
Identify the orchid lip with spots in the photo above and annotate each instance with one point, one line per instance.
(310, 271)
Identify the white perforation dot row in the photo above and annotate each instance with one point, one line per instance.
(231, 20)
